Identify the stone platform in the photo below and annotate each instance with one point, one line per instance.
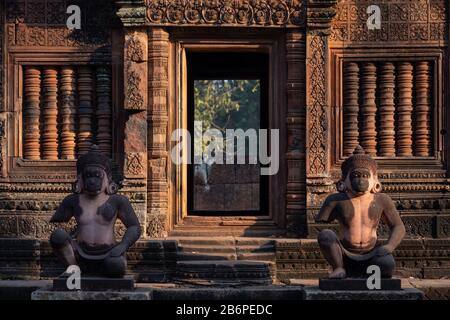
(48, 294)
(97, 284)
(315, 293)
(354, 284)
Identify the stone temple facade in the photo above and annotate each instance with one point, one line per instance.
(121, 81)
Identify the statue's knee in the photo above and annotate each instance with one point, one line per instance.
(386, 264)
(115, 266)
(327, 237)
(59, 238)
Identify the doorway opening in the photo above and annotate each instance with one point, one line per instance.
(227, 91)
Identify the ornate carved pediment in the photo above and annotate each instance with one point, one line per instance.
(266, 13)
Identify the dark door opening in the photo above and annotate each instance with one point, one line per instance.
(227, 91)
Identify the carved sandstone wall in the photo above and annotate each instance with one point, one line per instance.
(55, 99)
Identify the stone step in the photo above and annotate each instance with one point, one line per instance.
(200, 249)
(222, 232)
(242, 241)
(225, 271)
(255, 249)
(221, 241)
(257, 256)
(182, 256)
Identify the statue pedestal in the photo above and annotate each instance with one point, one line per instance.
(48, 294)
(356, 289)
(314, 293)
(352, 284)
(97, 284)
(93, 288)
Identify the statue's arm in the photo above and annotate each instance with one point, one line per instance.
(326, 213)
(392, 218)
(129, 219)
(65, 210)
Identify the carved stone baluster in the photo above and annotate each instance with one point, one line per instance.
(85, 110)
(368, 131)
(404, 109)
(31, 110)
(386, 131)
(103, 111)
(422, 112)
(351, 107)
(67, 111)
(50, 114)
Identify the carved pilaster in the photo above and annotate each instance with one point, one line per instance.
(318, 111)
(136, 102)
(296, 113)
(368, 131)
(404, 109)
(158, 121)
(422, 116)
(103, 112)
(31, 114)
(85, 110)
(68, 112)
(50, 114)
(351, 107)
(386, 132)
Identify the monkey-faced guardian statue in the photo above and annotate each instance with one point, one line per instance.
(95, 207)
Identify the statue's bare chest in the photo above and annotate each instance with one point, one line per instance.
(360, 211)
(98, 212)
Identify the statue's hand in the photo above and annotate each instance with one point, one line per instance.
(384, 250)
(118, 250)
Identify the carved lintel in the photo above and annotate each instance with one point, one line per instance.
(261, 13)
(131, 12)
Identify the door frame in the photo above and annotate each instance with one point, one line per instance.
(233, 40)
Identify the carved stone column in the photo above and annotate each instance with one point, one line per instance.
(386, 132)
(368, 130)
(296, 113)
(85, 109)
(404, 109)
(422, 130)
(68, 112)
(351, 107)
(319, 16)
(31, 112)
(157, 134)
(50, 114)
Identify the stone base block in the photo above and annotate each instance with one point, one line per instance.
(47, 294)
(351, 284)
(97, 283)
(314, 293)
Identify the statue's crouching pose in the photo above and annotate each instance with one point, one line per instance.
(358, 208)
(95, 207)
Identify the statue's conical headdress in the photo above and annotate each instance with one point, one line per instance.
(359, 159)
(94, 158)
